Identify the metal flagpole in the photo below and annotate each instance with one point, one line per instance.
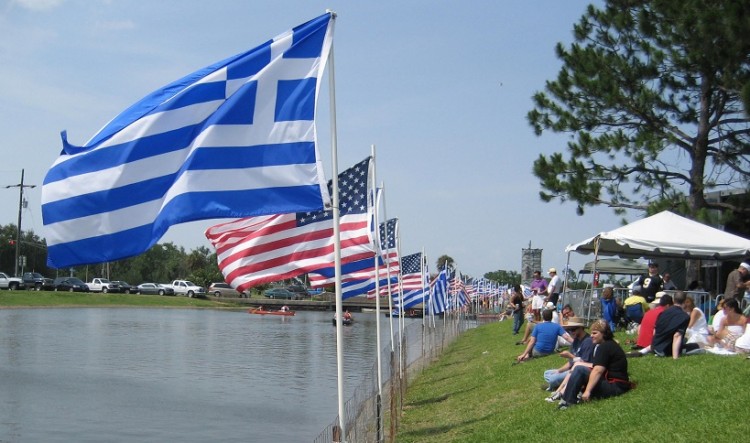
(388, 268)
(336, 244)
(378, 255)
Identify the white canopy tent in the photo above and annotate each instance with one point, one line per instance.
(665, 235)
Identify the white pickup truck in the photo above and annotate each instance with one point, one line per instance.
(102, 285)
(8, 282)
(186, 288)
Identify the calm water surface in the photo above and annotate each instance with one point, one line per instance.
(97, 375)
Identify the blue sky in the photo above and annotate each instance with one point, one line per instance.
(441, 88)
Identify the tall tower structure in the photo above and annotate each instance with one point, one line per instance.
(531, 260)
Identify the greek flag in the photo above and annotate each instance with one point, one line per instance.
(234, 139)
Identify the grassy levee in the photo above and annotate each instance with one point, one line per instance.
(474, 393)
(17, 299)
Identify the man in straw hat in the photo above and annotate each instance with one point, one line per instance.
(581, 351)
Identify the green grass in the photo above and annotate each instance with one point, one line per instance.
(73, 299)
(474, 393)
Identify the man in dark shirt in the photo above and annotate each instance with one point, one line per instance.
(650, 284)
(669, 331)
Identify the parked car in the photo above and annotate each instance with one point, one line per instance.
(154, 289)
(300, 290)
(8, 282)
(223, 290)
(125, 287)
(281, 293)
(103, 285)
(37, 282)
(70, 284)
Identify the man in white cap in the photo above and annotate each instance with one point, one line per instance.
(554, 287)
(737, 282)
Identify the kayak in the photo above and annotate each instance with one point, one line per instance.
(345, 322)
(264, 312)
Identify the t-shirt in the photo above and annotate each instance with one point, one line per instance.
(554, 287)
(540, 285)
(672, 320)
(610, 355)
(650, 285)
(646, 331)
(518, 301)
(546, 334)
(583, 348)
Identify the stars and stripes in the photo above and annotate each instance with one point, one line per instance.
(258, 250)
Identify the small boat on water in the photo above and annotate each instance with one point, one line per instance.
(266, 312)
(345, 321)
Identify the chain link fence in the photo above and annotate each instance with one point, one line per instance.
(372, 414)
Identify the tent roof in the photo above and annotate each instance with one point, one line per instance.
(666, 235)
(615, 266)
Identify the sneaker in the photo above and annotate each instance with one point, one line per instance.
(562, 406)
(553, 398)
(633, 354)
(519, 343)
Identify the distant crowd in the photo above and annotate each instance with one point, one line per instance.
(665, 324)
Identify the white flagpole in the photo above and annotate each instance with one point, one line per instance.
(377, 273)
(398, 257)
(337, 247)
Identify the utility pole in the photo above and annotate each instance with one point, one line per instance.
(20, 187)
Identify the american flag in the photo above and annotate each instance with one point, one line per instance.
(411, 272)
(357, 277)
(414, 282)
(234, 139)
(389, 251)
(258, 250)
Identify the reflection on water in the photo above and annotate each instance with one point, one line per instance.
(168, 374)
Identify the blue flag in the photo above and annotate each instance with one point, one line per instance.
(234, 139)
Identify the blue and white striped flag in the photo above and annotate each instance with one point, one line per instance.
(234, 139)
(439, 295)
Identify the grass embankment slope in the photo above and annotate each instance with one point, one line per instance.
(473, 393)
(21, 299)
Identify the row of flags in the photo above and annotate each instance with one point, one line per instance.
(236, 139)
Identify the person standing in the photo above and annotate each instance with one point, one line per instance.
(538, 288)
(737, 281)
(554, 287)
(516, 302)
(652, 283)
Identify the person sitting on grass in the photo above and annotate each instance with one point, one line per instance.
(732, 326)
(697, 331)
(646, 331)
(531, 323)
(543, 338)
(580, 350)
(670, 330)
(608, 376)
(635, 307)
